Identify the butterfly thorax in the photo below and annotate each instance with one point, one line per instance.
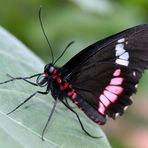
(59, 87)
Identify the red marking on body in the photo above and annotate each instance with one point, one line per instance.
(116, 81)
(59, 80)
(74, 95)
(101, 108)
(70, 86)
(55, 76)
(54, 72)
(105, 100)
(117, 72)
(64, 86)
(70, 93)
(76, 102)
(115, 89)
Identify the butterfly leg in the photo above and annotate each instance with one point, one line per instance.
(66, 101)
(78, 119)
(49, 118)
(21, 78)
(37, 92)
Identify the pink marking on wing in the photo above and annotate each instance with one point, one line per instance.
(115, 89)
(117, 72)
(112, 97)
(101, 108)
(104, 100)
(116, 81)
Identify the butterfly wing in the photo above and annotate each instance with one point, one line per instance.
(106, 73)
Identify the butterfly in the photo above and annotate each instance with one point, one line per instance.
(100, 79)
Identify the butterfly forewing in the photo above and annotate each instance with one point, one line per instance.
(105, 74)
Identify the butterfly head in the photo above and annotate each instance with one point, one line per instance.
(44, 78)
(49, 69)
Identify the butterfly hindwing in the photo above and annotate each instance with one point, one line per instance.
(105, 74)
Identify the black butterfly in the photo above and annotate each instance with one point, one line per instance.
(100, 79)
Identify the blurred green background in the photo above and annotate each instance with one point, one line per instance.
(85, 22)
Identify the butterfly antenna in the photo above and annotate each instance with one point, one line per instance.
(43, 30)
(63, 52)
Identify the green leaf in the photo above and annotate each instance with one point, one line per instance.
(23, 127)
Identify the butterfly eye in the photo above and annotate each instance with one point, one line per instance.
(51, 69)
(46, 66)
